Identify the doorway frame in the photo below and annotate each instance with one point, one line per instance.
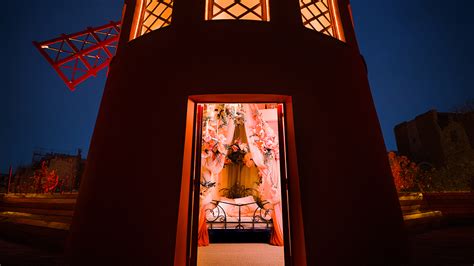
(186, 236)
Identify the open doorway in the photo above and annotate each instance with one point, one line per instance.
(240, 164)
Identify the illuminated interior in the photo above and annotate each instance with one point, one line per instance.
(237, 10)
(240, 199)
(316, 15)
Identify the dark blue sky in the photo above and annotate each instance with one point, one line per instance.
(419, 55)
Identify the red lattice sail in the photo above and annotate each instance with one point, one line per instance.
(79, 56)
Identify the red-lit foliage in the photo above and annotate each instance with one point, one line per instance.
(408, 176)
(51, 182)
(405, 173)
(45, 180)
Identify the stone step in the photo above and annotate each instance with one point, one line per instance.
(54, 222)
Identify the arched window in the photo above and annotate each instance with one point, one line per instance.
(157, 15)
(237, 10)
(151, 15)
(316, 15)
(322, 16)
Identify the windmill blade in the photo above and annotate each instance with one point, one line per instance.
(79, 56)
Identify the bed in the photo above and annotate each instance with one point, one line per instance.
(241, 213)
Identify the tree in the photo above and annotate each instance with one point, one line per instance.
(45, 180)
(51, 182)
(454, 176)
(403, 170)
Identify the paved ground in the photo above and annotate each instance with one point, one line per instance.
(240, 254)
(18, 254)
(447, 246)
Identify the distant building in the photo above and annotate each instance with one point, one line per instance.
(436, 138)
(68, 168)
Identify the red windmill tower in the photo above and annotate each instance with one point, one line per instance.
(139, 199)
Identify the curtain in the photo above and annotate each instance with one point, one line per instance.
(245, 175)
(216, 134)
(263, 144)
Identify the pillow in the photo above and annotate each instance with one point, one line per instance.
(244, 200)
(228, 208)
(247, 209)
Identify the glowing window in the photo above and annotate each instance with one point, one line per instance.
(316, 16)
(157, 14)
(237, 10)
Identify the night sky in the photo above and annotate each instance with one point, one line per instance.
(419, 53)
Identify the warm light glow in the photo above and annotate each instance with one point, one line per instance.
(157, 15)
(316, 16)
(237, 10)
(151, 15)
(240, 173)
(422, 215)
(267, 14)
(334, 9)
(137, 19)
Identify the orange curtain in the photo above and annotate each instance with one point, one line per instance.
(276, 238)
(203, 235)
